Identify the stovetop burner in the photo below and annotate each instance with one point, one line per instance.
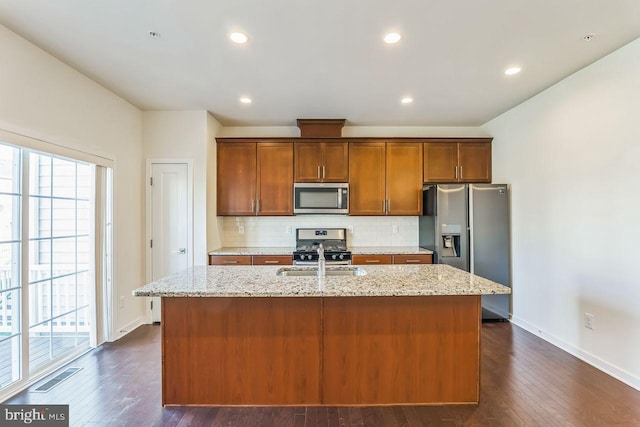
(328, 245)
(334, 242)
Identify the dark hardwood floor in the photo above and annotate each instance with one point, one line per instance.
(524, 382)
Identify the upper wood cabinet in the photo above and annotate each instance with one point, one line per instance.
(474, 159)
(255, 178)
(321, 161)
(236, 178)
(385, 178)
(457, 161)
(275, 179)
(404, 178)
(440, 162)
(367, 180)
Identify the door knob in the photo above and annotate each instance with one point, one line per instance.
(180, 251)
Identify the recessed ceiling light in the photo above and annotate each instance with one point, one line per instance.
(406, 100)
(154, 34)
(239, 38)
(392, 38)
(589, 37)
(512, 70)
(245, 100)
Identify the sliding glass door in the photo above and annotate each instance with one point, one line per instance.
(55, 272)
(59, 257)
(10, 265)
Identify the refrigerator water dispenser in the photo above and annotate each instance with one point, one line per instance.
(450, 245)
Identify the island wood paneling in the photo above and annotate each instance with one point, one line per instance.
(320, 351)
(401, 350)
(239, 351)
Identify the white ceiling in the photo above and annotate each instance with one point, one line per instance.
(326, 59)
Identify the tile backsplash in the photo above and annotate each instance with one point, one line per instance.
(281, 231)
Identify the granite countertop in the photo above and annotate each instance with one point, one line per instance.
(262, 281)
(357, 250)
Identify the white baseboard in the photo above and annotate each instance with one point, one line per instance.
(607, 368)
(121, 332)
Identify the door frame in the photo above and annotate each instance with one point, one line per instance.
(149, 218)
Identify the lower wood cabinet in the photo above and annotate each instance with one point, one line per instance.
(250, 260)
(371, 259)
(413, 259)
(392, 259)
(272, 260)
(229, 259)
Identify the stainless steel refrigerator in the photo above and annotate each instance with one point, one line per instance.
(467, 226)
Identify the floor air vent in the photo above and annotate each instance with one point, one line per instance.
(56, 380)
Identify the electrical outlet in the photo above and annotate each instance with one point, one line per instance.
(289, 229)
(122, 301)
(396, 229)
(588, 321)
(350, 229)
(241, 229)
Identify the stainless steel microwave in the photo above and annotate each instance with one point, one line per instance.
(321, 198)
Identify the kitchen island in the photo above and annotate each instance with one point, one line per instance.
(400, 334)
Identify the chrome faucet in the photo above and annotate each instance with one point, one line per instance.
(321, 261)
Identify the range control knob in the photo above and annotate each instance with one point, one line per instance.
(341, 256)
(334, 256)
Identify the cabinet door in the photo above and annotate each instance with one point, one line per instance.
(272, 260)
(236, 178)
(307, 161)
(367, 178)
(474, 160)
(275, 178)
(404, 178)
(335, 161)
(371, 259)
(440, 162)
(413, 259)
(229, 259)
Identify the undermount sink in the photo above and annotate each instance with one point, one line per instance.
(306, 271)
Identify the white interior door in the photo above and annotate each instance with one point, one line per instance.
(170, 223)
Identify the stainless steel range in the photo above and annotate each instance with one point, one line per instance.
(334, 242)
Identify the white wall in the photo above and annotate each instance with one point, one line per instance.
(572, 155)
(43, 98)
(184, 135)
